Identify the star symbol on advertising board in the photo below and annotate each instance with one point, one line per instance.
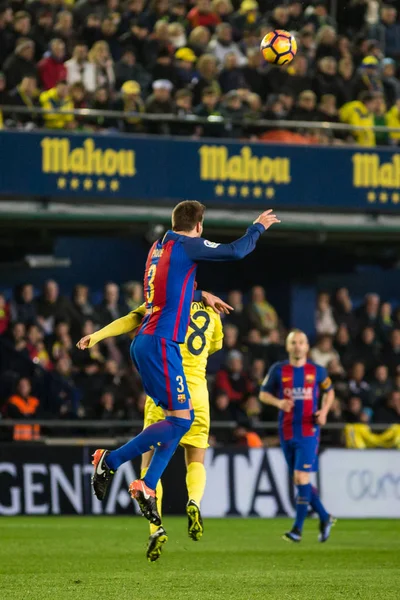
(232, 190)
(395, 198)
(244, 191)
(101, 185)
(257, 191)
(383, 197)
(114, 185)
(61, 183)
(371, 196)
(74, 183)
(87, 184)
(270, 192)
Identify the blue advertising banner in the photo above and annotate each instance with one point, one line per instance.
(138, 168)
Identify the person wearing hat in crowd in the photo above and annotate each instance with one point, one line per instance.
(160, 103)
(368, 79)
(25, 94)
(361, 113)
(127, 69)
(247, 16)
(391, 85)
(130, 101)
(20, 63)
(185, 60)
(52, 68)
(42, 32)
(58, 98)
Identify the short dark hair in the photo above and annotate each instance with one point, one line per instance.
(208, 91)
(187, 214)
(366, 96)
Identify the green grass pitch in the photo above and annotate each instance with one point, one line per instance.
(89, 558)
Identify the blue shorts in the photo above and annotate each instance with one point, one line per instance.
(159, 363)
(301, 454)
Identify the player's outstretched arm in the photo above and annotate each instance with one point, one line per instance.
(118, 327)
(201, 249)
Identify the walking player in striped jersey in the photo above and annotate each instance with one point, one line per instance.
(294, 386)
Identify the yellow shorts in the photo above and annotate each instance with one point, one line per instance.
(198, 434)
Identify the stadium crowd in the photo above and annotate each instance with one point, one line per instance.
(44, 375)
(201, 58)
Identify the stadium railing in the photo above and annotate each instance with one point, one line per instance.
(325, 126)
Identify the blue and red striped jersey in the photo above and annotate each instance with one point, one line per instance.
(303, 385)
(170, 275)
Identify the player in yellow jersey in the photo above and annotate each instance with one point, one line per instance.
(203, 338)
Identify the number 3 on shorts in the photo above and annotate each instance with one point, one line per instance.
(181, 387)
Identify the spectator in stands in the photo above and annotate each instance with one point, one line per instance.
(223, 44)
(199, 39)
(22, 306)
(183, 108)
(344, 346)
(237, 316)
(319, 16)
(221, 411)
(109, 30)
(127, 69)
(306, 107)
(176, 35)
(130, 102)
(137, 38)
(58, 98)
(247, 16)
(80, 69)
(299, 79)
(100, 57)
(64, 29)
(233, 381)
(65, 396)
(323, 352)
(327, 43)
(102, 101)
(391, 85)
(133, 294)
(355, 412)
(326, 80)
(324, 321)
(6, 36)
(393, 120)
(60, 343)
(278, 18)
(338, 376)
(391, 353)
(18, 335)
(110, 308)
(106, 409)
(52, 307)
(368, 313)
(385, 323)
(358, 386)
(20, 64)
(42, 32)
(388, 411)
(233, 111)
(253, 74)
(254, 348)
(158, 11)
(381, 384)
(369, 79)
(207, 69)
(202, 15)
(51, 68)
(160, 103)
(367, 349)
(25, 95)
(22, 405)
(360, 113)
(347, 78)
(343, 310)
(260, 313)
(21, 25)
(327, 110)
(296, 16)
(387, 32)
(4, 314)
(231, 76)
(185, 60)
(209, 107)
(246, 437)
(37, 349)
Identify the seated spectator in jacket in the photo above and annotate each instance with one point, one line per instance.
(260, 313)
(25, 95)
(183, 109)
(80, 69)
(130, 101)
(326, 39)
(202, 15)
(361, 114)
(368, 313)
(22, 405)
(160, 103)
(18, 337)
(338, 376)
(390, 83)
(389, 410)
(306, 108)
(42, 32)
(231, 76)
(347, 77)
(20, 64)
(231, 342)
(102, 101)
(323, 352)
(367, 349)
(176, 35)
(133, 294)
(257, 373)
(208, 77)
(299, 80)
(4, 314)
(358, 386)
(127, 69)
(52, 307)
(387, 31)
(65, 396)
(58, 98)
(391, 353)
(320, 17)
(368, 78)
(232, 109)
(254, 348)
(326, 80)
(106, 408)
(253, 74)
(111, 308)
(327, 110)
(381, 384)
(355, 412)
(344, 346)
(385, 324)
(52, 68)
(185, 64)
(223, 44)
(22, 306)
(324, 321)
(343, 310)
(209, 107)
(37, 349)
(233, 380)
(101, 59)
(247, 16)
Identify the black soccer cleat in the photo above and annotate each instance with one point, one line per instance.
(195, 522)
(325, 528)
(155, 545)
(292, 536)
(146, 498)
(102, 475)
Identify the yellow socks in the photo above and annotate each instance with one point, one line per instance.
(196, 481)
(159, 495)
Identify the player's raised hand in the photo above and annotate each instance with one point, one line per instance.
(320, 417)
(267, 218)
(218, 305)
(83, 343)
(286, 405)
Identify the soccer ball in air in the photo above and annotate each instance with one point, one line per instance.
(278, 47)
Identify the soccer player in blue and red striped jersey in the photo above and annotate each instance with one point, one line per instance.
(169, 282)
(294, 386)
